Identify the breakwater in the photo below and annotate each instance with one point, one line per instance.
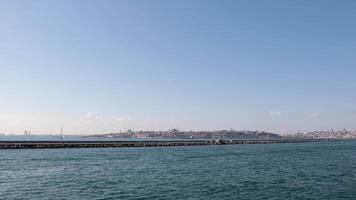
(101, 144)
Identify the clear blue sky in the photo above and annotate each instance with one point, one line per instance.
(102, 66)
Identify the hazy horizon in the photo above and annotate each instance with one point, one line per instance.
(65, 133)
(104, 66)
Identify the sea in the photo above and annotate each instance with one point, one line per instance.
(321, 170)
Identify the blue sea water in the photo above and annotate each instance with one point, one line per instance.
(325, 170)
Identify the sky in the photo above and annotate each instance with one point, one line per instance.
(95, 67)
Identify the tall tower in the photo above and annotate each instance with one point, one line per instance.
(61, 135)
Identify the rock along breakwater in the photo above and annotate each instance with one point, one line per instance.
(138, 143)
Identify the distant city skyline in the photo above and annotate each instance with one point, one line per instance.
(102, 66)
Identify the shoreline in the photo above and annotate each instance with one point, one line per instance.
(138, 143)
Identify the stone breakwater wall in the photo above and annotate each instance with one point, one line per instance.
(102, 144)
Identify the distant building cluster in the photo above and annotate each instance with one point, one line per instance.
(177, 134)
(339, 134)
(27, 133)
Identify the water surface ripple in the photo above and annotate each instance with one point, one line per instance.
(271, 171)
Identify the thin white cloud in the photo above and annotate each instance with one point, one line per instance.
(94, 118)
(275, 113)
(314, 115)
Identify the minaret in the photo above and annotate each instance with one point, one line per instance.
(61, 135)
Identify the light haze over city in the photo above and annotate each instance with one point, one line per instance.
(104, 66)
